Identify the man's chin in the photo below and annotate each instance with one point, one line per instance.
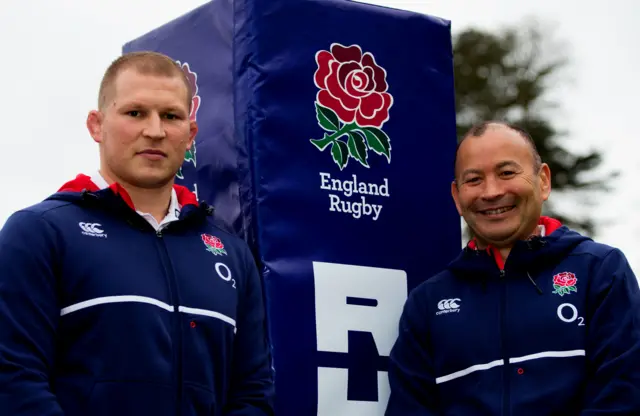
(497, 238)
(151, 180)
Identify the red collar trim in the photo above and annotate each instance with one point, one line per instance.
(550, 225)
(82, 182)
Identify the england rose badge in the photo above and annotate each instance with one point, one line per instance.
(213, 245)
(564, 283)
(352, 104)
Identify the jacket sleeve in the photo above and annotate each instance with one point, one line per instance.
(613, 340)
(411, 376)
(28, 316)
(252, 386)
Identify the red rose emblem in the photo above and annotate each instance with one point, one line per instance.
(213, 245)
(564, 283)
(192, 77)
(352, 105)
(212, 241)
(353, 85)
(565, 279)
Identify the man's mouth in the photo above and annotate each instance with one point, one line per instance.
(497, 211)
(153, 152)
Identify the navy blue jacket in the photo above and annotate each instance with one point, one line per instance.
(553, 331)
(101, 315)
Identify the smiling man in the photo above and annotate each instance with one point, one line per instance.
(118, 294)
(531, 318)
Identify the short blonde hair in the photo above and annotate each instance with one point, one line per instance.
(145, 63)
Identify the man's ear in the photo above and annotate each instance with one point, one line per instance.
(94, 125)
(456, 196)
(545, 181)
(193, 130)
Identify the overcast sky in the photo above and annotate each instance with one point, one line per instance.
(55, 52)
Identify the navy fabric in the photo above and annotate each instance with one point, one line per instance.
(540, 348)
(101, 315)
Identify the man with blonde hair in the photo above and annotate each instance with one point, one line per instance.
(118, 294)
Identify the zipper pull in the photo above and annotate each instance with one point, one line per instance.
(502, 273)
(159, 233)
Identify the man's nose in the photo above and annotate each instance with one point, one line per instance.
(154, 128)
(493, 189)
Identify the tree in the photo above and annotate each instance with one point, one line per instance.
(509, 75)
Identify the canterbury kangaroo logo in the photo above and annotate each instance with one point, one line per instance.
(92, 229)
(448, 306)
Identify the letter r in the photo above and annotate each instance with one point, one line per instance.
(386, 292)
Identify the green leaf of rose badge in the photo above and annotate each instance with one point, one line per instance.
(352, 105)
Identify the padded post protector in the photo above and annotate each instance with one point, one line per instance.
(327, 139)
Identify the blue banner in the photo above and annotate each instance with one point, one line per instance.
(327, 136)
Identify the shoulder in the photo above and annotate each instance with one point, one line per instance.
(223, 233)
(597, 250)
(433, 285)
(607, 265)
(603, 259)
(32, 229)
(44, 214)
(33, 216)
(230, 242)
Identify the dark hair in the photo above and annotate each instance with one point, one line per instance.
(479, 129)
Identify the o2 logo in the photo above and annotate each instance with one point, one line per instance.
(225, 273)
(357, 313)
(568, 313)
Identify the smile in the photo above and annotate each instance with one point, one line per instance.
(497, 211)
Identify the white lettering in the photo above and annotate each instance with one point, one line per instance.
(384, 189)
(325, 181)
(384, 292)
(358, 208)
(574, 312)
(335, 200)
(376, 209)
(226, 276)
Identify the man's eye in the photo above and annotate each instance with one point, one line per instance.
(133, 113)
(472, 180)
(507, 173)
(171, 116)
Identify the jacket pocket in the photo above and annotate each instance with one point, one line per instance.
(129, 398)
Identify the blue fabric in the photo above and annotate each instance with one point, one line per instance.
(192, 341)
(470, 314)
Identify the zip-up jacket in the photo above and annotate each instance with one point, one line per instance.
(555, 330)
(102, 315)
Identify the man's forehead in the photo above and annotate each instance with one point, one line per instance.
(133, 76)
(131, 85)
(493, 149)
(494, 140)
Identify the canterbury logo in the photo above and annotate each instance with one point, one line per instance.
(92, 229)
(448, 306)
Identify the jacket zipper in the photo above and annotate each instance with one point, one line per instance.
(506, 408)
(177, 327)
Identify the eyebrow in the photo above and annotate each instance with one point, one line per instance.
(470, 171)
(507, 163)
(136, 104)
(500, 165)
